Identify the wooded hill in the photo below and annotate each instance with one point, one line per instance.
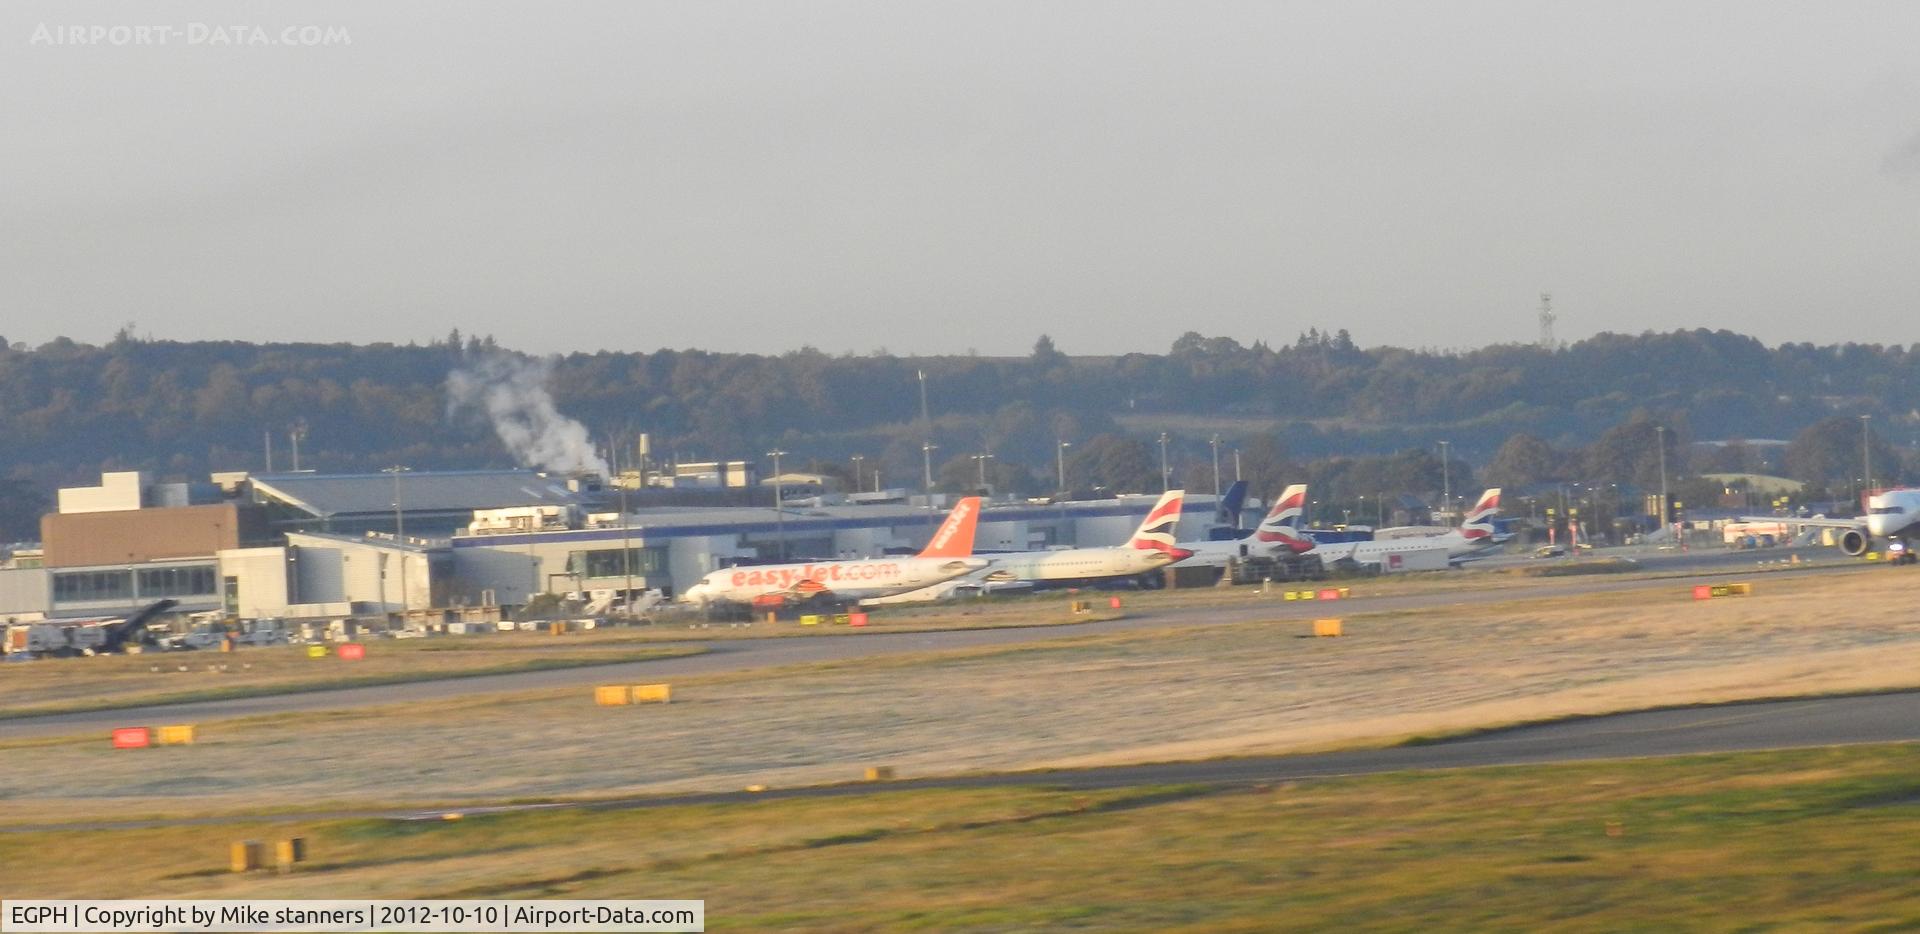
(69, 410)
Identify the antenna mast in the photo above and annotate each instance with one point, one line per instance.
(1546, 321)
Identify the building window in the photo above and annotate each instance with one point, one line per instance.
(607, 562)
(92, 585)
(176, 582)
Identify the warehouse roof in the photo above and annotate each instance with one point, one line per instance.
(334, 495)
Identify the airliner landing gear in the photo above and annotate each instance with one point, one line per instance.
(1900, 551)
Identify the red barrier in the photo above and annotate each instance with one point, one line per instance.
(352, 651)
(1333, 594)
(132, 737)
(1113, 603)
(1703, 592)
(856, 619)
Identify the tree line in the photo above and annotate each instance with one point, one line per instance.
(1357, 421)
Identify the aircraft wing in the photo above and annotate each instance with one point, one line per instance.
(1817, 522)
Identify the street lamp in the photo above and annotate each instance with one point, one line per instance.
(400, 533)
(857, 475)
(926, 466)
(1165, 480)
(1446, 477)
(1060, 464)
(980, 461)
(779, 506)
(1216, 466)
(1661, 430)
(1236, 463)
(926, 445)
(1866, 452)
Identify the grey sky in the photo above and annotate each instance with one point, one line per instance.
(934, 177)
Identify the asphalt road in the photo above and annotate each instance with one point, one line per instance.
(745, 654)
(1759, 725)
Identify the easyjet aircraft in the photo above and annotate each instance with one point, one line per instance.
(949, 554)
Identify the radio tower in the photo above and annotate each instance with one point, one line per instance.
(1546, 321)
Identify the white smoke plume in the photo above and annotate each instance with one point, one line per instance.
(512, 393)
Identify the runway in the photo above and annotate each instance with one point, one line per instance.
(746, 654)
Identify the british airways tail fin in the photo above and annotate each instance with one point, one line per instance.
(1283, 523)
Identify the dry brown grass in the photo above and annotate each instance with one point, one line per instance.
(1123, 697)
(52, 685)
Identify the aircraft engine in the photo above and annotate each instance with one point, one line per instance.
(1855, 542)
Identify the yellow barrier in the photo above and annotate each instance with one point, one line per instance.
(1345, 593)
(1292, 595)
(316, 651)
(557, 628)
(841, 619)
(290, 851)
(1740, 590)
(247, 855)
(1326, 627)
(178, 735)
(1873, 556)
(879, 773)
(652, 693)
(810, 620)
(611, 695)
(1308, 595)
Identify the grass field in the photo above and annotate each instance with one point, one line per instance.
(1759, 841)
(109, 681)
(1157, 694)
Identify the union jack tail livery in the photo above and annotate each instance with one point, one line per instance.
(1156, 532)
(1479, 522)
(954, 538)
(1283, 521)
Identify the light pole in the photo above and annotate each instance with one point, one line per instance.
(1236, 463)
(1661, 431)
(857, 475)
(1866, 453)
(926, 466)
(1060, 464)
(926, 444)
(1165, 483)
(779, 506)
(400, 533)
(626, 540)
(1446, 478)
(1216, 466)
(1363, 507)
(980, 461)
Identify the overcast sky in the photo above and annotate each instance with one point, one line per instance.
(939, 177)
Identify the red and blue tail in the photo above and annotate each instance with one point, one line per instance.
(1282, 526)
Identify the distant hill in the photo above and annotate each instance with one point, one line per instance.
(68, 410)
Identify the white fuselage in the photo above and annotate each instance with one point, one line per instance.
(1076, 564)
(851, 580)
(1892, 513)
(1453, 543)
(1217, 553)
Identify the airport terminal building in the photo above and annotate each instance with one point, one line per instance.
(315, 546)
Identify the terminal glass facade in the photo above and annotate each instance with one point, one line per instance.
(607, 562)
